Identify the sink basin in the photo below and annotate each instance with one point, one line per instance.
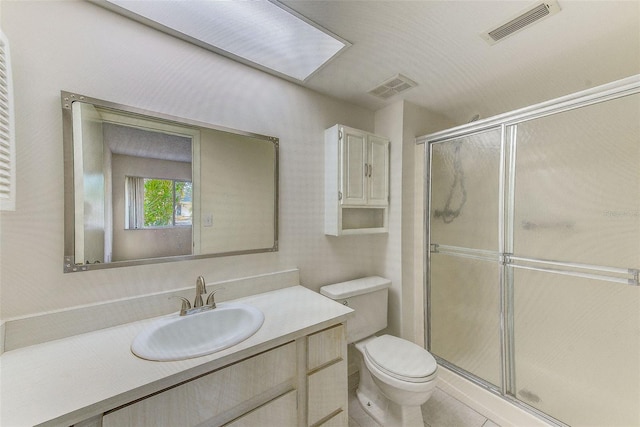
(178, 337)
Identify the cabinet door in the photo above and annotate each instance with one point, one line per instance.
(282, 411)
(327, 392)
(213, 396)
(354, 175)
(378, 171)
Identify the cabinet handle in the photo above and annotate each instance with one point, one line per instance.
(366, 169)
(370, 168)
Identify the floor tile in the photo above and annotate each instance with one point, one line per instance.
(442, 410)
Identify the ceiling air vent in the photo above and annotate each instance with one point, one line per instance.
(393, 86)
(533, 14)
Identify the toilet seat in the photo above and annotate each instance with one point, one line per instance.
(401, 359)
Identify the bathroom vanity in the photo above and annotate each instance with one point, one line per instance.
(291, 372)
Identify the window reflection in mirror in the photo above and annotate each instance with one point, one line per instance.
(142, 187)
(157, 202)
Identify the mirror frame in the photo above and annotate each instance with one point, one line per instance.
(67, 100)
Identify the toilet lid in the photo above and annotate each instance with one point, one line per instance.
(400, 358)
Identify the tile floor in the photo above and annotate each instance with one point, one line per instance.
(441, 410)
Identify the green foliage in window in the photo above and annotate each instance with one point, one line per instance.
(158, 202)
(167, 203)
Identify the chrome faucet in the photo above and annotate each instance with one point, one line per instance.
(198, 305)
(201, 289)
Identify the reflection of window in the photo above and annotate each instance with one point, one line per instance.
(154, 203)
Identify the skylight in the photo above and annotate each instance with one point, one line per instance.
(261, 33)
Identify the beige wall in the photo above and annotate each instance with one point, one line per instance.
(402, 122)
(80, 47)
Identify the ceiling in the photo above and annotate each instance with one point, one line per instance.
(438, 45)
(131, 141)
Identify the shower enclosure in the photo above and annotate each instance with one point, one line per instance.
(533, 260)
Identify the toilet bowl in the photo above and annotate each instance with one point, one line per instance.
(396, 378)
(396, 375)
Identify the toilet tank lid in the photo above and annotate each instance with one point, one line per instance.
(355, 287)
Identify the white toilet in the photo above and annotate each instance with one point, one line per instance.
(396, 376)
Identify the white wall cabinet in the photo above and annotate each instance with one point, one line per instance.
(356, 182)
(303, 382)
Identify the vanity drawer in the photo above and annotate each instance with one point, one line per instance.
(327, 392)
(325, 347)
(211, 395)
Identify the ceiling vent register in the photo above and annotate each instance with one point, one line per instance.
(393, 86)
(520, 22)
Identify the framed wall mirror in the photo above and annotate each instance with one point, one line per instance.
(144, 187)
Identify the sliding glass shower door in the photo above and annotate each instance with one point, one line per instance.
(465, 286)
(534, 233)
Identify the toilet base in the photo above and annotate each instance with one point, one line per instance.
(375, 408)
(383, 410)
(390, 414)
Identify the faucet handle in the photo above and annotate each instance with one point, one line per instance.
(186, 305)
(211, 299)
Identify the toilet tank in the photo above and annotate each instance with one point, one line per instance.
(368, 298)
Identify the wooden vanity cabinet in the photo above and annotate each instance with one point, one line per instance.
(303, 382)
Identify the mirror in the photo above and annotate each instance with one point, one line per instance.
(144, 187)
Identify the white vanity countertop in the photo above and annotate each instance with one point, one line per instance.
(65, 381)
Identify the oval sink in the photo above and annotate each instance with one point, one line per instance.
(178, 337)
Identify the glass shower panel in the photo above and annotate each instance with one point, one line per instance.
(465, 174)
(465, 314)
(577, 193)
(577, 348)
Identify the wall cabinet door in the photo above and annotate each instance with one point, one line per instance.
(354, 167)
(378, 171)
(365, 168)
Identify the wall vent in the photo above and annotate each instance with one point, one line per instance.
(393, 86)
(523, 20)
